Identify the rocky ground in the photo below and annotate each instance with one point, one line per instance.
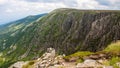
(51, 60)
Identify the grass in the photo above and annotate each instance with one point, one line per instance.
(29, 64)
(112, 62)
(78, 54)
(2, 60)
(81, 54)
(79, 61)
(113, 48)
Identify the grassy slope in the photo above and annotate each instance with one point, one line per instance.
(10, 34)
(113, 49)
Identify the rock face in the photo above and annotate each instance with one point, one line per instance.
(17, 64)
(70, 30)
(50, 60)
(46, 59)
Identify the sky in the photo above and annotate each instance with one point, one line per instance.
(11, 10)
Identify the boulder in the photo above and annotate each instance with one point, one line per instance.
(108, 67)
(118, 64)
(89, 63)
(47, 59)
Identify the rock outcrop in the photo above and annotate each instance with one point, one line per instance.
(51, 60)
(18, 64)
(46, 59)
(71, 30)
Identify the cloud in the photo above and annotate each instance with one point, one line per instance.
(14, 9)
(9, 11)
(93, 4)
(2, 1)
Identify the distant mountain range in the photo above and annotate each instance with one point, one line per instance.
(66, 30)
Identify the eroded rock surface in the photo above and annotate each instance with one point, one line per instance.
(50, 60)
(18, 64)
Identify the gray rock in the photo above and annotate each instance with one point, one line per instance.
(46, 59)
(89, 63)
(17, 64)
(108, 67)
(118, 64)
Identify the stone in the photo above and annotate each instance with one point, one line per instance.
(94, 57)
(118, 64)
(47, 59)
(108, 67)
(17, 64)
(89, 63)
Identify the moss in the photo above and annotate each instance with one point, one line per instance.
(113, 48)
(81, 54)
(78, 54)
(29, 64)
(106, 63)
(79, 60)
(114, 60)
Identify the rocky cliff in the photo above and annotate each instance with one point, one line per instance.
(71, 30)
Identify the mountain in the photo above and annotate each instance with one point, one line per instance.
(11, 33)
(13, 28)
(66, 30)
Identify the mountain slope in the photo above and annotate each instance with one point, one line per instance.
(14, 28)
(11, 33)
(71, 30)
(66, 30)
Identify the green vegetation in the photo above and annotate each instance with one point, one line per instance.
(79, 61)
(113, 48)
(29, 64)
(112, 62)
(78, 55)
(11, 40)
(2, 60)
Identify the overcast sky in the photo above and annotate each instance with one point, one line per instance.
(11, 10)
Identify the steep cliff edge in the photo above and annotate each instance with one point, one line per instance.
(71, 30)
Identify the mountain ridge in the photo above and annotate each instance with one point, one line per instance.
(68, 31)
